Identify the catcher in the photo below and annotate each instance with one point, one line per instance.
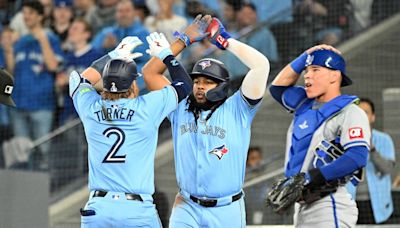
(328, 144)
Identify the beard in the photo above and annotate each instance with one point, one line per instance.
(203, 106)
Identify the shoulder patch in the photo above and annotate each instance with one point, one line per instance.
(85, 90)
(356, 133)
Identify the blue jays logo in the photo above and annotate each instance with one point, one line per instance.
(219, 151)
(309, 60)
(204, 64)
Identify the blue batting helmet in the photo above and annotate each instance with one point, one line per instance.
(331, 60)
(118, 75)
(215, 70)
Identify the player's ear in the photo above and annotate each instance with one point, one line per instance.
(336, 77)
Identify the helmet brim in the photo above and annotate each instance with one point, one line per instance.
(346, 81)
(194, 75)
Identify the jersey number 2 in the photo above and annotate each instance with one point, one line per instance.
(111, 156)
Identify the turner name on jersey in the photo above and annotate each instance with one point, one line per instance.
(108, 114)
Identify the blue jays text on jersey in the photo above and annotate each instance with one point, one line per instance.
(209, 130)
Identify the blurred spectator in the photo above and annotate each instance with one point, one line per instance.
(252, 34)
(308, 20)
(374, 193)
(33, 59)
(127, 25)
(62, 18)
(255, 163)
(255, 195)
(194, 7)
(79, 57)
(229, 15)
(87, 10)
(260, 37)
(361, 15)
(335, 23)
(213, 6)
(274, 12)
(166, 21)
(18, 21)
(141, 10)
(4, 11)
(103, 15)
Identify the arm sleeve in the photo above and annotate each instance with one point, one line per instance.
(383, 156)
(180, 78)
(100, 63)
(255, 81)
(354, 158)
(277, 92)
(382, 164)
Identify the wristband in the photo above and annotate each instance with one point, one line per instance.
(299, 63)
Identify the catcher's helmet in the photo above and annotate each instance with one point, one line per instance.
(118, 75)
(215, 70)
(331, 60)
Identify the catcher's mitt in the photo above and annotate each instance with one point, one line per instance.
(286, 192)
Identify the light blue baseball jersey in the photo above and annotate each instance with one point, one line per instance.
(122, 137)
(210, 157)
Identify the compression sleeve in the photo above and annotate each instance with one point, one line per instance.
(180, 78)
(354, 158)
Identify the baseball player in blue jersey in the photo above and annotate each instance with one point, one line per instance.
(121, 130)
(328, 140)
(211, 132)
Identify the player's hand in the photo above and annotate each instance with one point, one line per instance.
(109, 41)
(217, 34)
(323, 47)
(159, 45)
(196, 31)
(125, 48)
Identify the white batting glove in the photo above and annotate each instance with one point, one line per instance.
(125, 48)
(159, 45)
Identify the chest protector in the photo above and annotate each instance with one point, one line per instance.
(306, 122)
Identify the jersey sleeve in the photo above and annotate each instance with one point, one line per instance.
(160, 103)
(355, 130)
(81, 92)
(243, 110)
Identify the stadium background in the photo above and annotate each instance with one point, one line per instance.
(366, 31)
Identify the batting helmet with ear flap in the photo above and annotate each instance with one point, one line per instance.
(215, 70)
(118, 75)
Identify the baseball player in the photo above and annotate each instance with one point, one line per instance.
(328, 140)
(211, 132)
(121, 129)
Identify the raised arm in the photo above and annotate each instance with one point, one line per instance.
(160, 48)
(289, 75)
(154, 68)
(122, 51)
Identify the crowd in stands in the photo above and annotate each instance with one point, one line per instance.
(43, 41)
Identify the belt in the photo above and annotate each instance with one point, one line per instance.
(213, 202)
(128, 196)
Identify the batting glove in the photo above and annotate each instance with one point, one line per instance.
(217, 34)
(196, 31)
(125, 48)
(159, 45)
